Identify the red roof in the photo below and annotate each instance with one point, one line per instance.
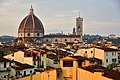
(31, 24)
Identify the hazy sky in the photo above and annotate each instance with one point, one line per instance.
(100, 16)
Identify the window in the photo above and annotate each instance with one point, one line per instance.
(30, 71)
(79, 28)
(42, 62)
(56, 40)
(115, 53)
(34, 62)
(58, 75)
(85, 51)
(107, 60)
(67, 63)
(28, 34)
(112, 53)
(38, 34)
(27, 55)
(56, 61)
(4, 64)
(65, 39)
(10, 64)
(21, 34)
(46, 40)
(24, 73)
(106, 53)
(37, 58)
(91, 51)
(21, 39)
(42, 55)
(114, 60)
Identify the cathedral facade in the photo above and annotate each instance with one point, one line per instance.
(31, 30)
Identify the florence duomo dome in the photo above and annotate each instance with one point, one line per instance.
(31, 29)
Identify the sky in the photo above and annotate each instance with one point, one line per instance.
(100, 16)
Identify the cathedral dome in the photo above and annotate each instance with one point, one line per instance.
(31, 26)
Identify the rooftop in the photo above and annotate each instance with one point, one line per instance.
(106, 72)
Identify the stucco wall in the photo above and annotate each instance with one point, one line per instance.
(19, 56)
(98, 53)
(86, 75)
(108, 55)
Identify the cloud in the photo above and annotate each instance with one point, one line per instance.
(57, 15)
(103, 23)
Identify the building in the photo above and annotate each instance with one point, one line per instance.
(107, 55)
(31, 30)
(78, 68)
(11, 68)
(31, 57)
(77, 34)
(60, 38)
(22, 69)
(37, 58)
(4, 67)
(79, 27)
(112, 36)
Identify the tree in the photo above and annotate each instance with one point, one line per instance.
(1, 53)
(110, 66)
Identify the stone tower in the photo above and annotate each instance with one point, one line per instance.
(79, 27)
(74, 33)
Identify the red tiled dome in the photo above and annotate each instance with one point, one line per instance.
(31, 24)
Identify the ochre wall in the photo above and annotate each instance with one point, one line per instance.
(86, 75)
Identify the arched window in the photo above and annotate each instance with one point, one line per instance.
(79, 28)
(28, 34)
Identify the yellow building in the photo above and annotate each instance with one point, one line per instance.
(76, 68)
(72, 69)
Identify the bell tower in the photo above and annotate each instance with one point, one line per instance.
(79, 26)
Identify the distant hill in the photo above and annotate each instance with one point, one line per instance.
(90, 38)
(6, 39)
(115, 41)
